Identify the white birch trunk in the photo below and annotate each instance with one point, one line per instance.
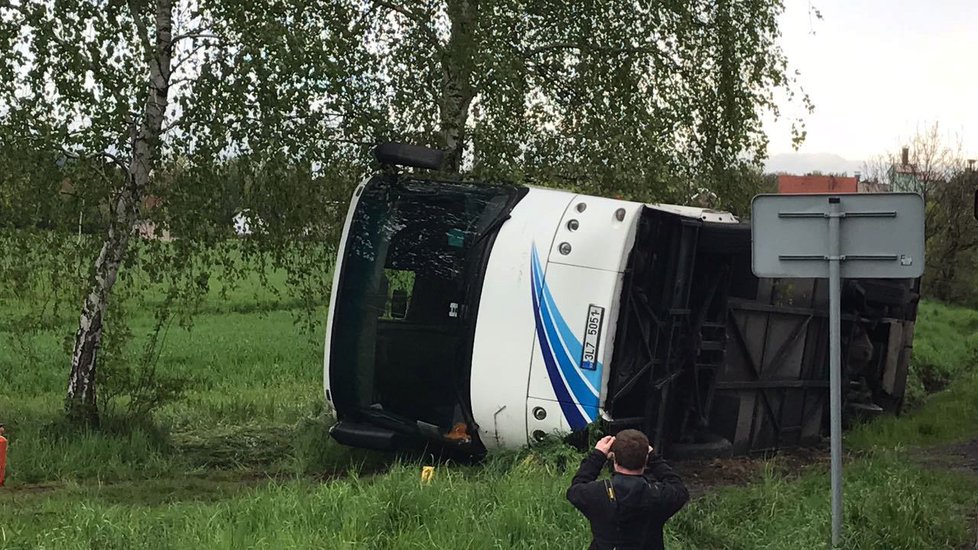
(457, 90)
(80, 403)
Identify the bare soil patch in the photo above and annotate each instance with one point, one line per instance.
(958, 457)
(704, 475)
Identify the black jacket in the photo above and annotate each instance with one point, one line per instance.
(627, 512)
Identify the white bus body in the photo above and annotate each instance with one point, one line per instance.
(484, 317)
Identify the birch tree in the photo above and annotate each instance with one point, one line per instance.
(126, 87)
(623, 97)
(150, 109)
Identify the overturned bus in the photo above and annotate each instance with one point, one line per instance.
(479, 316)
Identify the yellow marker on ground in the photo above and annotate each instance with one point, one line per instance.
(427, 474)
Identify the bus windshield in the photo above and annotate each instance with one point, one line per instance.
(405, 311)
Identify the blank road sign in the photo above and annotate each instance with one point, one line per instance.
(881, 235)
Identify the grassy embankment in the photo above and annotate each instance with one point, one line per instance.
(240, 462)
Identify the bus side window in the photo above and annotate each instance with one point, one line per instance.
(399, 302)
(401, 285)
(430, 299)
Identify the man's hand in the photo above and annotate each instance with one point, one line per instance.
(604, 445)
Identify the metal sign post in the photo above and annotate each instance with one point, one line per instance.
(835, 365)
(803, 236)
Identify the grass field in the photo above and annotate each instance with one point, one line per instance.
(243, 460)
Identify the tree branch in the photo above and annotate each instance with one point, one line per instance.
(568, 45)
(190, 55)
(174, 82)
(116, 160)
(141, 31)
(549, 47)
(194, 36)
(420, 20)
(173, 123)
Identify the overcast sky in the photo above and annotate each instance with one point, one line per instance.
(875, 69)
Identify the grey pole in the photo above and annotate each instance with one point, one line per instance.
(835, 369)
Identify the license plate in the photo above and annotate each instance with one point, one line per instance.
(592, 336)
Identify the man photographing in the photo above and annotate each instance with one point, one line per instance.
(627, 512)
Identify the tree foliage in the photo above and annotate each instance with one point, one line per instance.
(931, 163)
(147, 111)
(164, 118)
(952, 241)
(621, 97)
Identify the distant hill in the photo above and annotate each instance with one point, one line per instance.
(804, 163)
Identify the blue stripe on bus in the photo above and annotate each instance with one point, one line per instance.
(571, 413)
(562, 365)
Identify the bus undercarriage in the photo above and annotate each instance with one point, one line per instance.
(711, 360)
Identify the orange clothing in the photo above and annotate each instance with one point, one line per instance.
(3, 458)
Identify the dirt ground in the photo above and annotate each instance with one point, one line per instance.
(702, 475)
(957, 457)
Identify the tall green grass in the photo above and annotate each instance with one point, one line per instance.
(250, 375)
(244, 460)
(516, 501)
(946, 353)
(945, 347)
(889, 503)
(948, 416)
(254, 377)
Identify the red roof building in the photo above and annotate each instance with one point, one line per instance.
(817, 184)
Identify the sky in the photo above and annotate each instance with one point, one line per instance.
(878, 69)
